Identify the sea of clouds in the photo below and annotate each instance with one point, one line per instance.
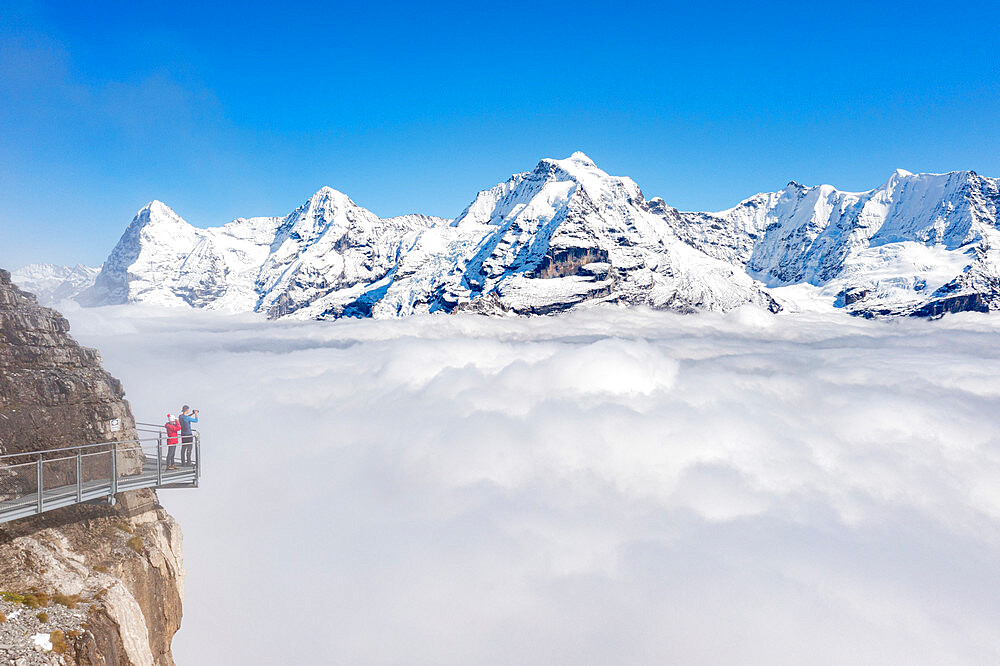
(606, 486)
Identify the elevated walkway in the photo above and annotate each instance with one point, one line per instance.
(40, 481)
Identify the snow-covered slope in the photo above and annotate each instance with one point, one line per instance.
(567, 234)
(918, 244)
(52, 283)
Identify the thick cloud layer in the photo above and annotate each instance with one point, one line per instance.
(612, 486)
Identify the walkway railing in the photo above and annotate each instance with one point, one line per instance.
(40, 481)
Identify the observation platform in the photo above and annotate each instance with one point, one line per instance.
(38, 481)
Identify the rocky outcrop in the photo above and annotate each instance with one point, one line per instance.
(123, 562)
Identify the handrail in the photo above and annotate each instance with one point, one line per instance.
(84, 446)
(71, 448)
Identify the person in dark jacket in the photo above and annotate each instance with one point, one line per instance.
(172, 427)
(187, 437)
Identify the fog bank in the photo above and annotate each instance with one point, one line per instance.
(606, 486)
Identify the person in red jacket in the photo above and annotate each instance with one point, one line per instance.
(173, 427)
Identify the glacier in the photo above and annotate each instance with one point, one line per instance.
(567, 235)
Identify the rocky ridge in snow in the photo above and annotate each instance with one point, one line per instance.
(567, 234)
(266, 264)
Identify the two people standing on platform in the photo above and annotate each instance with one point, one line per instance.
(180, 425)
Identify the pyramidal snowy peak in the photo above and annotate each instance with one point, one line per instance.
(327, 251)
(161, 259)
(567, 234)
(555, 237)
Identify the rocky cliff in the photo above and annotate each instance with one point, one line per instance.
(104, 583)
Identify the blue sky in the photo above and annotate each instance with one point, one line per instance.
(238, 110)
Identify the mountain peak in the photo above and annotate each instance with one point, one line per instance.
(327, 192)
(895, 177)
(578, 163)
(157, 211)
(154, 205)
(328, 197)
(543, 240)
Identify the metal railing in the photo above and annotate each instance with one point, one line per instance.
(38, 481)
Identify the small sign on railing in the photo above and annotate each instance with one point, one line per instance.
(116, 425)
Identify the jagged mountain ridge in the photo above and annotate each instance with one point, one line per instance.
(328, 248)
(917, 244)
(164, 260)
(567, 233)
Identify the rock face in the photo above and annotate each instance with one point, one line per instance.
(123, 561)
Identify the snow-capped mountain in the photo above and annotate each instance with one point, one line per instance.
(52, 283)
(322, 250)
(327, 251)
(565, 234)
(164, 260)
(918, 244)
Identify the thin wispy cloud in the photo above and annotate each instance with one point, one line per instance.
(607, 486)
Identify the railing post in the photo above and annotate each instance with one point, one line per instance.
(114, 469)
(79, 476)
(159, 455)
(197, 458)
(40, 483)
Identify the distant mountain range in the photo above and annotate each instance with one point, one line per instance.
(53, 283)
(563, 235)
